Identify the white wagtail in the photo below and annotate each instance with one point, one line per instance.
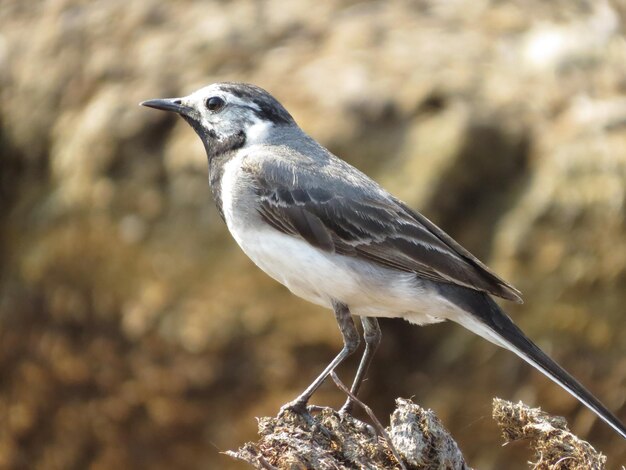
(334, 237)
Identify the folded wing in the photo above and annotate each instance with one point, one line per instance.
(377, 228)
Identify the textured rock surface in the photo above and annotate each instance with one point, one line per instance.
(329, 440)
(421, 438)
(131, 327)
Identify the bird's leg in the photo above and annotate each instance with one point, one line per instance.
(350, 344)
(372, 336)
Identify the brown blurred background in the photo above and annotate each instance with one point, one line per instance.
(133, 331)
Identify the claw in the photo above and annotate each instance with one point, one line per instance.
(297, 407)
(347, 407)
(300, 409)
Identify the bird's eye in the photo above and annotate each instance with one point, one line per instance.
(215, 103)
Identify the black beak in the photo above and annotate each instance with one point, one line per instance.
(168, 104)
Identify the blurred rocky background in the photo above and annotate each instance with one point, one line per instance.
(133, 331)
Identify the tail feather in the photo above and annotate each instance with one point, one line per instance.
(490, 322)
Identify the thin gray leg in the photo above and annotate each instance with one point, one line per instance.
(350, 344)
(372, 336)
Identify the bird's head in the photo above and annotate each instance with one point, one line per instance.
(228, 116)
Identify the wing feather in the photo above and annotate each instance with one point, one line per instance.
(375, 227)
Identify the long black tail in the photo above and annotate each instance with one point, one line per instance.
(489, 321)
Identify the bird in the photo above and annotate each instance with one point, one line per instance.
(336, 238)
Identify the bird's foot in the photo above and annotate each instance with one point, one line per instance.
(302, 410)
(347, 407)
(296, 406)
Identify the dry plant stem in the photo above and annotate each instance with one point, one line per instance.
(265, 464)
(379, 427)
(262, 462)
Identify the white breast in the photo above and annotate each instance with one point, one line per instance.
(290, 261)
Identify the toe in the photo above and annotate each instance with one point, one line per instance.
(346, 409)
(296, 406)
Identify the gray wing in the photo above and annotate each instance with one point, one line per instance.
(338, 216)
